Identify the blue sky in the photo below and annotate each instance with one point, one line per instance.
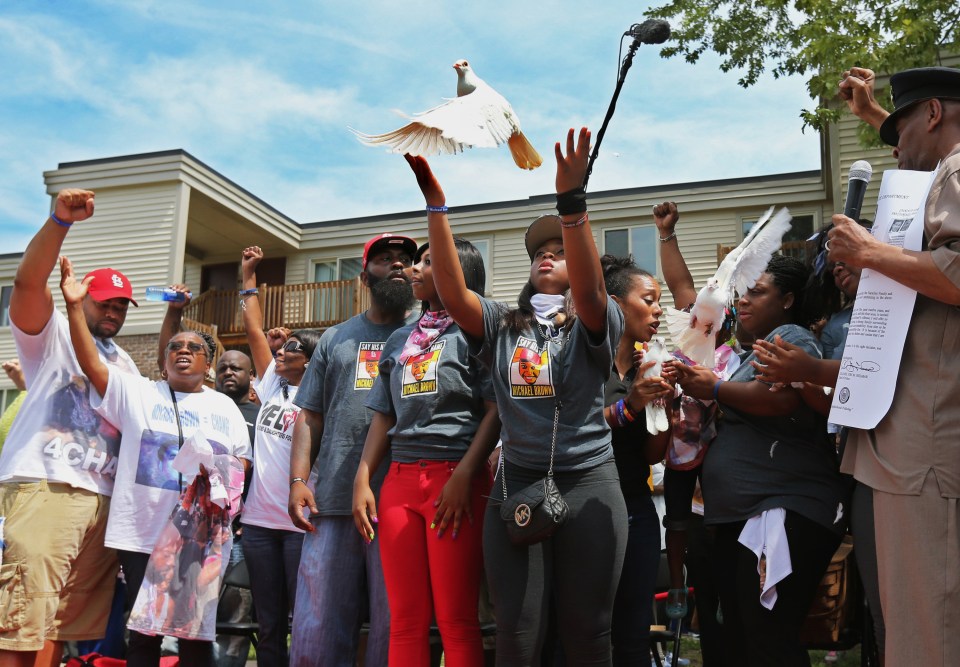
(263, 92)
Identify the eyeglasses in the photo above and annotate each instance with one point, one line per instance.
(192, 347)
(294, 346)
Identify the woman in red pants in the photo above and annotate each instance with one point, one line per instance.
(435, 415)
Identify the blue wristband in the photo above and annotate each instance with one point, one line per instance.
(716, 389)
(437, 209)
(62, 223)
(247, 292)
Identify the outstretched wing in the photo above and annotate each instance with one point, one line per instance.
(741, 268)
(481, 119)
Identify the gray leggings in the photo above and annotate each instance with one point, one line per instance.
(578, 568)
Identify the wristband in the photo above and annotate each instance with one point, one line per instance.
(628, 411)
(572, 201)
(297, 479)
(248, 292)
(62, 223)
(716, 389)
(664, 239)
(437, 209)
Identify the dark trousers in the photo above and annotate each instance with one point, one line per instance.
(770, 637)
(579, 566)
(633, 607)
(144, 650)
(273, 559)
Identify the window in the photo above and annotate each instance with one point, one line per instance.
(7, 396)
(344, 268)
(483, 245)
(5, 293)
(641, 242)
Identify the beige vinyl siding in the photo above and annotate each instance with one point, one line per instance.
(192, 270)
(132, 230)
(8, 269)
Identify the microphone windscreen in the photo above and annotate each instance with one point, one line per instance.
(652, 31)
(861, 171)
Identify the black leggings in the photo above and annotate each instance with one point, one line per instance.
(770, 637)
(579, 567)
(144, 650)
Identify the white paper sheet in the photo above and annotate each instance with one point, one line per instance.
(883, 309)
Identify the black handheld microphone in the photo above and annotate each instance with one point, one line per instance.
(651, 31)
(860, 173)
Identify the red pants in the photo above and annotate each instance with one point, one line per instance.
(426, 575)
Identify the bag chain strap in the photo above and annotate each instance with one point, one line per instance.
(556, 418)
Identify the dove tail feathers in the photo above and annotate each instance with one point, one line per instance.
(657, 421)
(524, 154)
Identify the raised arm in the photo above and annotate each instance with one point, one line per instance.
(462, 304)
(252, 315)
(31, 303)
(583, 262)
(87, 356)
(674, 267)
(171, 322)
(856, 89)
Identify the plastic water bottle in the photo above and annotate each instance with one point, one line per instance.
(164, 294)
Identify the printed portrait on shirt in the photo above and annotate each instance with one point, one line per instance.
(74, 433)
(368, 365)
(530, 370)
(157, 452)
(420, 371)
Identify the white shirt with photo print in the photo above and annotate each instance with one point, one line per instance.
(147, 487)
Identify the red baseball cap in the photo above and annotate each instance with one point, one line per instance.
(109, 284)
(389, 239)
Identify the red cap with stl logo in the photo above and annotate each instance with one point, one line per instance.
(109, 284)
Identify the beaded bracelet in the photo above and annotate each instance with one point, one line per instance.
(62, 223)
(248, 292)
(575, 223)
(664, 239)
(437, 209)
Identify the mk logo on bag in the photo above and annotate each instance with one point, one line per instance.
(522, 515)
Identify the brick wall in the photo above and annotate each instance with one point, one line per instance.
(143, 349)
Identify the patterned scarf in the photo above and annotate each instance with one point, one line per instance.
(429, 327)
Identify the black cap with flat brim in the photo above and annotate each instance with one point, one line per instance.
(916, 85)
(540, 231)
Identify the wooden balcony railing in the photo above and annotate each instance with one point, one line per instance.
(303, 306)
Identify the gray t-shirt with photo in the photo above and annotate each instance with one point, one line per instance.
(530, 373)
(761, 463)
(437, 397)
(336, 384)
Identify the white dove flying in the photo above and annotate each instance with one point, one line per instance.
(478, 116)
(694, 332)
(657, 421)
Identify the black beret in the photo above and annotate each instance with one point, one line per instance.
(915, 85)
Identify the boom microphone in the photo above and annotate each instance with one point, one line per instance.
(860, 173)
(651, 31)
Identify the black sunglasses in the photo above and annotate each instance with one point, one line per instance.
(192, 347)
(293, 346)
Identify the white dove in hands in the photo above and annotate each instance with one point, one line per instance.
(74, 291)
(478, 117)
(656, 412)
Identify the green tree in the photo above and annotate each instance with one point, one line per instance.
(816, 38)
